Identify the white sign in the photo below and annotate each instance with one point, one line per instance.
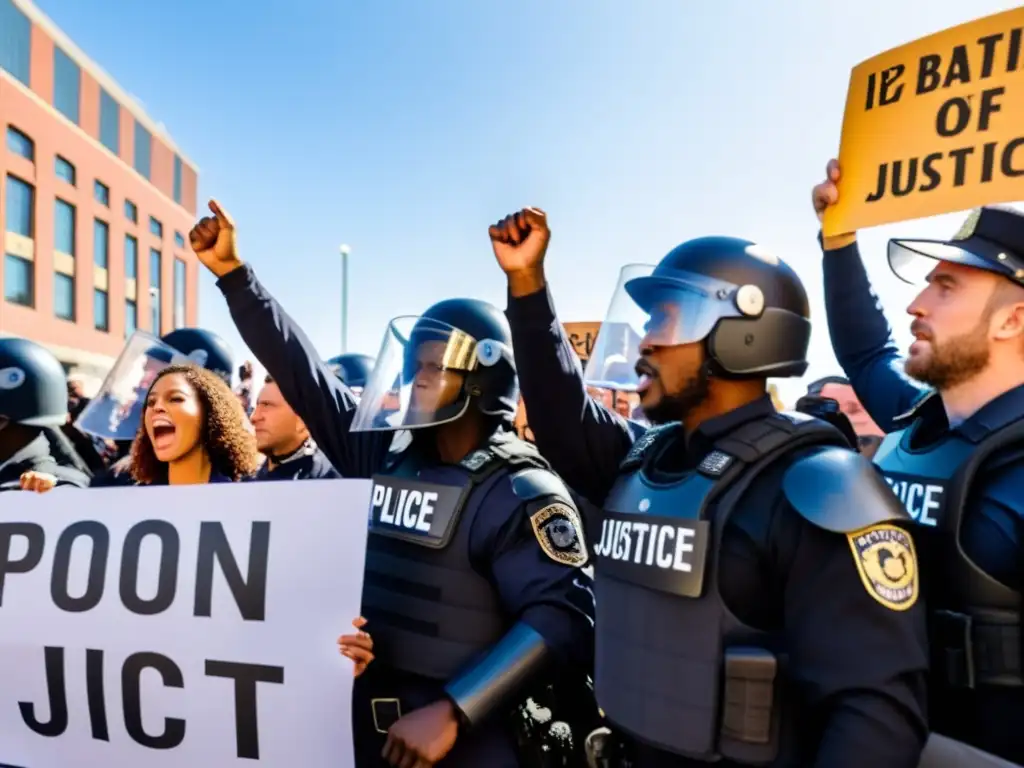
(189, 626)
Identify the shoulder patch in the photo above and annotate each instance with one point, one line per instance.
(887, 565)
(560, 534)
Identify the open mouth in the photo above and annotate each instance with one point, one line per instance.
(647, 376)
(163, 434)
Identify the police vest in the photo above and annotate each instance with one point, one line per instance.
(429, 610)
(975, 620)
(674, 667)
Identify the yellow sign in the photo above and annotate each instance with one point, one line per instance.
(934, 126)
(887, 565)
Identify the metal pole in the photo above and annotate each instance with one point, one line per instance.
(344, 250)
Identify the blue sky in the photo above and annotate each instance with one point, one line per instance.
(405, 127)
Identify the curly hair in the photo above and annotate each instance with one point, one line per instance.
(229, 444)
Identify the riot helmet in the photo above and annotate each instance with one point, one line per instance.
(992, 239)
(433, 367)
(748, 308)
(33, 385)
(204, 348)
(353, 369)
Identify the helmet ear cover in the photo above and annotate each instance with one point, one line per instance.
(772, 345)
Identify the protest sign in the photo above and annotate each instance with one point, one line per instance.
(180, 626)
(934, 126)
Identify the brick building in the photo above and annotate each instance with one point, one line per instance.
(95, 205)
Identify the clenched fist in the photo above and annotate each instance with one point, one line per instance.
(822, 196)
(213, 240)
(520, 241)
(40, 482)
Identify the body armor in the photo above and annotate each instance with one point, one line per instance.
(431, 611)
(675, 668)
(975, 620)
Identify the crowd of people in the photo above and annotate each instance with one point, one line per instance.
(672, 571)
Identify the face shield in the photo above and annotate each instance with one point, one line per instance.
(115, 412)
(666, 309)
(420, 375)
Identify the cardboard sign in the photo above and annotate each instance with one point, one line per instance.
(934, 126)
(180, 625)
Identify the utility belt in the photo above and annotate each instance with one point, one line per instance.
(750, 730)
(970, 651)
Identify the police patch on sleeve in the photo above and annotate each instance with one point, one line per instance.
(887, 565)
(560, 534)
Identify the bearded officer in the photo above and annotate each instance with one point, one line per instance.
(353, 369)
(758, 594)
(955, 455)
(473, 583)
(33, 398)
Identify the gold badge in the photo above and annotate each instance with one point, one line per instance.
(560, 534)
(967, 230)
(887, 565)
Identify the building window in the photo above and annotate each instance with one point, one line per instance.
(156, 227)
(131, 212)
(100, 310)
(131, 318)
(64, 227)
(67, 80)
(18, 288)
(64, 296)
(177, 180)
(179, 240)
(101, 192)
(65, 170)
(110, 122)
(154, 289)
(19, 143)
(143, 150)
(20, 210)
(15, 41)
(101, 243)
(179, 293)
(131, 258)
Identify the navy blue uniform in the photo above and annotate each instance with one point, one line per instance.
(36, 457)
(777, 571)
(551, 598)
(991, 524)
(306, 463)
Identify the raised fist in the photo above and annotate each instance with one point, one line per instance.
(213, 240)
(826, 193)
(520, 240)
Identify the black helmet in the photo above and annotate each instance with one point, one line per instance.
(204, 348)
(992, 239)
(33, 385)
(748, 307)
(474, 339)
(353, 369)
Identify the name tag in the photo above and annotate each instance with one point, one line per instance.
(424, 513)
(667, 554)
(923, 498)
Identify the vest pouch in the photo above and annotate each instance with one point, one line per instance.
(751, 704)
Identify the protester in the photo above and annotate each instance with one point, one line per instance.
(955, 455)
(357, 647)
(283, 439)
(193, 432)
(33, 399)
(500, 598)
(809, 566)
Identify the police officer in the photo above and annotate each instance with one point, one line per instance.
(33, 398)
(757, 591)
(353, 369)
(473, 583)
(955, 452)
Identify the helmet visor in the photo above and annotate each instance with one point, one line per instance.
(666, 309)
(116, 410)
(419, 377)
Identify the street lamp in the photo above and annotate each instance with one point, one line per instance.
(344, 250)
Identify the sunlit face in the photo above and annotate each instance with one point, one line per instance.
(433, 386)
(850, 405)
(951, 327)
(673, 378)
(278, 429)
(173, 418)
